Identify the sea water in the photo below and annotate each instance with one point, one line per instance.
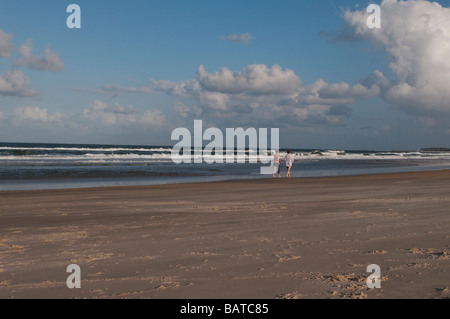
(47, 166)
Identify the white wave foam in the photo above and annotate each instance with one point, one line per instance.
(85, 149)
(164, 154)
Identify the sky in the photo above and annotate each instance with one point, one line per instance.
(136, 70)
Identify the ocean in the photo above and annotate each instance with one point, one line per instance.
(25, 166)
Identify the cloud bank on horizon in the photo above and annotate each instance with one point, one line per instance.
(415, 36)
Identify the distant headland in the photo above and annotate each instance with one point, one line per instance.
(435, 149)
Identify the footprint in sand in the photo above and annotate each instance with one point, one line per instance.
(168, 285)
(376, 252)
(444, 292)
(285, 257)
(290, 295)
(430, 253)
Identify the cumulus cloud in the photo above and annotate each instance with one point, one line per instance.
(185, 111)
(184, 88)
(50, 62)
(238, 38)
(322, 93)
(263, 94)
(6, 44)
(15, 83)
(339, 109)
(255, 79)
(215, 101)
(98, 115)
(152, 117)
(34, 114)
(344, 90)
(378, 79)
(122, 116)
(181, 109)
(416, 36)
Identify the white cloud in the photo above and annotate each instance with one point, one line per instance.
(322, 93)
(185, 111)
(117, 90)
(152, 117)
(344, 90)
(238, 38)
(181, 109)
(108, 115)
(34, 114)
(50, 61)
(120, 109)
(6, 44)
(215, 101)
(376, 78)
(182, 89)
(416, 36)
(122, 116)
(15, 83)
(259, 94)
(255, 79)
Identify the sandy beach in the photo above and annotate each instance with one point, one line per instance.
(283, 238)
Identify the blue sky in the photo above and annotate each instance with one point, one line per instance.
(136, 70)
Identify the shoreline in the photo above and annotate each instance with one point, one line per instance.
(96, 182)
(262, 239)
(256, 181)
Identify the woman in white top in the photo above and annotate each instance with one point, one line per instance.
(276, 164)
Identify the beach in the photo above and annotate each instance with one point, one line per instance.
(261, 238)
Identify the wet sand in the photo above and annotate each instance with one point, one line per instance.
(283, 238)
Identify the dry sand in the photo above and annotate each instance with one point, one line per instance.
(297, 238)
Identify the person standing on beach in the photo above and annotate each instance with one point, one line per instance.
(289, 159)
(276, 164)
